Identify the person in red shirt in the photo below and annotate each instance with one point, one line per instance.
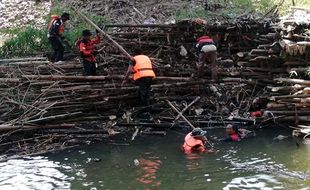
(207, 51)
(88, 52)
(234, 134)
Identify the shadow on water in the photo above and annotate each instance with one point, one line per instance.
(158, 163)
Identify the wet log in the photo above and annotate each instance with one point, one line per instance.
(275, 98)
(294, 81)
(285, 89)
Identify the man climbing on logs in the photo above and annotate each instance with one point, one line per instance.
(207, 51)
(143, 75)
(88, 52)
(55, 36)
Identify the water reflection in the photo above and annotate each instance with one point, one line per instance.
(193, 161)
(149, 165)
(36, 173)
(265, 182)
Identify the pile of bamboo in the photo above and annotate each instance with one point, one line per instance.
(55, 106)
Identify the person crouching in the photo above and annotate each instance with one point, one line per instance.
(195, 141)
(207, 51)
(88, 52)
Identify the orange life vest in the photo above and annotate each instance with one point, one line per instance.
(61, 28)
(192, 144)
(143, 67)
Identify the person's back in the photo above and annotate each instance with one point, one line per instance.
(206, 51)
(194, 141)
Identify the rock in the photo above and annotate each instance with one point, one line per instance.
(18, 13)
(280, 137)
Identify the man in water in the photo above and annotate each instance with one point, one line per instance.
(195, 141)
(234, 134)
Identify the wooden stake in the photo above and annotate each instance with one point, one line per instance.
(188, 106)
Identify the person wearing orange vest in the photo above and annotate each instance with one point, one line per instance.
(88, 52)
(143, 75)
(195, 141)
(207, 51)
(55, 36)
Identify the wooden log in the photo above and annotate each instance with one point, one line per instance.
(275, 98)
(255, 52)
(285, 89)
(298, 112)
(294, 81)
(188, 106)
(27, 59)
(8, 127)
(179, 113)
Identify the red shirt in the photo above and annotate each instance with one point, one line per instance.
(87, 48)
(204, 39)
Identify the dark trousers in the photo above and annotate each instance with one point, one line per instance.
(89, 68)
(58, 49)
(145, 90)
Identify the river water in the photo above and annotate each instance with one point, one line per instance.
(157, 163)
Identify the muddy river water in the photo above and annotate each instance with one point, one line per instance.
(157, 163)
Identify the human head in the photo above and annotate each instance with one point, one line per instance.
(231, 129)
(198, 133)
(86, 34)
(65, 16)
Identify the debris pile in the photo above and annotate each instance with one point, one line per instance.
(55, 107)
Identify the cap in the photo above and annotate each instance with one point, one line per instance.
(86, 33)
(66, 15)
(198, 132)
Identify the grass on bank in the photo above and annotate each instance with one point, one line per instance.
(233, 8)
(27, 41)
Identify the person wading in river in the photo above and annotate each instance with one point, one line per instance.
(235, 134)
(195, 141)
(207, 51)
(55, 36)
(143, 75)
(88, 52)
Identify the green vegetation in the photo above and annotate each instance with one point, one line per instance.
(25, 41)
(233, 8)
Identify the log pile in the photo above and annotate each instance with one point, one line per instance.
(55, 107)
